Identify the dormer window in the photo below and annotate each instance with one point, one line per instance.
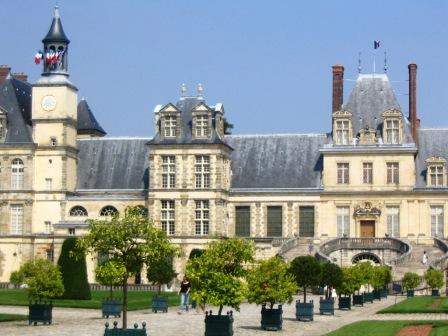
(170, 126)
(2, 126)
(202, 126)
(392, 130)
(436, 172)
(342, 128)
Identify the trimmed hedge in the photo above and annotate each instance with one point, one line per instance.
(74, 273)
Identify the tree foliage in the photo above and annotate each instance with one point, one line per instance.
(74, 272)
(16, 278)
(43, 279)
(306, 271)
(271, 282)
(350, 281)
(130, 240)
(110, 273)
(381, 276)
(331, 275)
(434, 278)
(410, 280)
(227, 126)
(160, 271)
(364, 272)
(217, 275)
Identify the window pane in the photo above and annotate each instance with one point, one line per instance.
(306, 221)
(242, 221)
(274, 227)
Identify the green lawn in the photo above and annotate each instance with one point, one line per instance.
(136, 300)
(418, 304)
(12, 317)
(387, 328)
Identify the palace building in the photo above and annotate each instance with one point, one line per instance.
(373, 187)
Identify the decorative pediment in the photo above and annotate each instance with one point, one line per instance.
(169, 108)
(393, 113)
(201, 107)
(342, 114)
(435, 160)
(367, 136)
(367, 210)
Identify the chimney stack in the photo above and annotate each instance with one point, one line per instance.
(20, 76)
(4, 71)
(338, 87)
(415, 122)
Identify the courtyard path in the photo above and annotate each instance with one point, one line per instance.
(88, 322)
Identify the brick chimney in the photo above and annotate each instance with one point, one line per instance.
(415, 122)
(20, 76)
(338, 86)
(4, 71)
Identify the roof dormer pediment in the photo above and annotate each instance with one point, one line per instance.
(342, 114)
(392, 113)
(169, 108)
(435, 160)
(202, 107)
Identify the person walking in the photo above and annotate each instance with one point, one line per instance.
(424, 258)
(184, 293)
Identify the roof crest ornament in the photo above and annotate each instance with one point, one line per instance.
(359, 63)
(200, 90)
(56, 12)
(385, 62)
(183, 90)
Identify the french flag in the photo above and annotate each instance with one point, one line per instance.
(38, 57)
(376, 44)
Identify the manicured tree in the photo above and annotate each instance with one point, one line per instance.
(160, 272)
(434, 278)
(131, 241)
(217, 275)
(381, 276)
(271, 282)
(307, 272)
(16, 278)
(410, 280)
(364, 272)
(43, 279)
(350, 281)
(74, 272)
(110, 273)
(331, 276)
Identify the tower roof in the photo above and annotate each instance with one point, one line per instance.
(87, 123)
(56, 32)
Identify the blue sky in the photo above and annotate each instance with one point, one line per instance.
(268, 62)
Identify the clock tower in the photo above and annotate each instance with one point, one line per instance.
(54, 120)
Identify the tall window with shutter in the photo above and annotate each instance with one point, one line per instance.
(306, 221)
(274, 227)
(343, 220)
(393, 221)
(437, 221)
(242, 221)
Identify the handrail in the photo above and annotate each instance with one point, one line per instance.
(441, 262)
(366, 244)
(288, 245)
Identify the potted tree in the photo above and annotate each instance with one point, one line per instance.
(132, 241)
(350, 283)
(307, 273)
(111, 273)
(381, 277)
(216, 277)
(410, 281)
(434, 279)
(364, 271)
(43, 281)
(160, 272)
(331, 277)
(270, 283)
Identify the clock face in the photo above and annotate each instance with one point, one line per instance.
(48, 103)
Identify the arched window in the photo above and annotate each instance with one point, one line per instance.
(17, 169)
(108, 210)
(366, 257)
(78, 211)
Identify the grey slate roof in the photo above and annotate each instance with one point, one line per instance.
(371, 96)
(276, 161)
(15, 101)
(113, 163)
(87, 123)
(186, 106)
(432, 142)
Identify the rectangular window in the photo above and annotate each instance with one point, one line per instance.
(393, 221)
(343, 221)
(275, 222)
(202, 171)
(48, 184)
(201, 126)
(71, 231)
(16, 219)
(306, 221)
(242, 221)
(436, 175)
(393, 172)
(50, 254)
(167, 217)
(342, 132)
(343, 173)
(170, 126)
(392, 131)
(367, 172)
(168, 171)
(48, 227)
(202, 217)
(437, 221)
(53, 141)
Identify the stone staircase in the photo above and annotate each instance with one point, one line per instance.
(414, 263)
(300, 249)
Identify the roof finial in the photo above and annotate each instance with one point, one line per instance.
(359, 63)
(200, 90)
(56, 12)
(385, 62)
(183, 90)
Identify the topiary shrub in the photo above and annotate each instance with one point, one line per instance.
(160, 271)
(306, 271)
(331, 276)
(74, 272)
(434, 278)
(410, 280)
